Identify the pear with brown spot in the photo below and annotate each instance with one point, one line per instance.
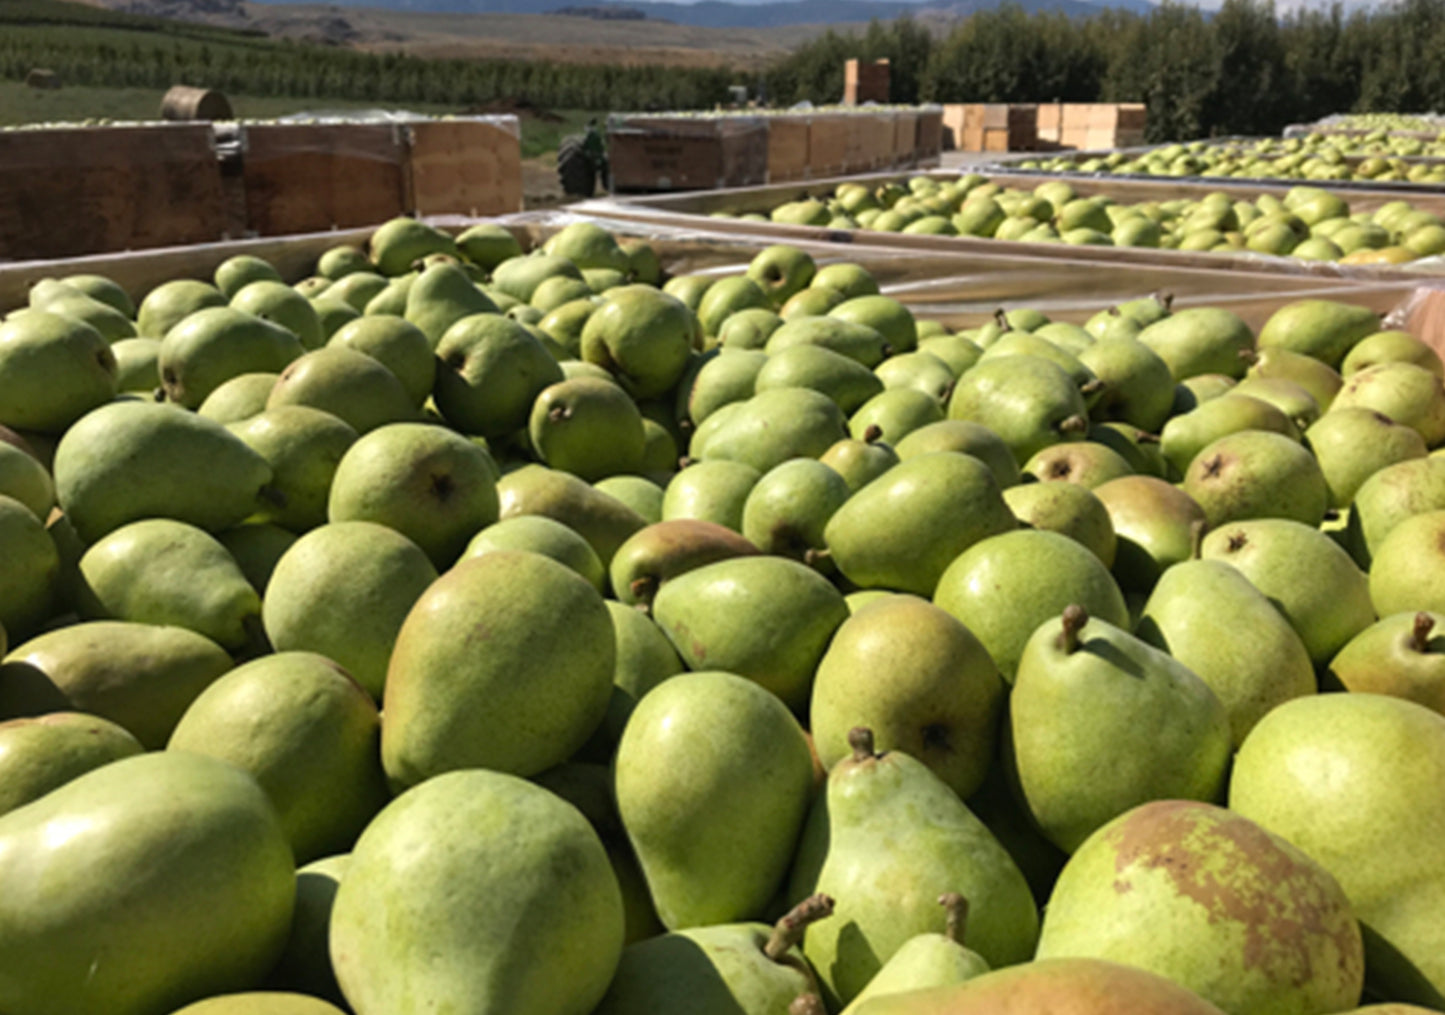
(1212, 901)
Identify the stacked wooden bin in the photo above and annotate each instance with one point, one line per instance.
(83, 190)
(1013, 127)
(662, 152)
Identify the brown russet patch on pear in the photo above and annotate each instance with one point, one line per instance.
(1238, 873)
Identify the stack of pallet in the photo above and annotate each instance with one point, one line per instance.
(991, 127)
(1091, 126)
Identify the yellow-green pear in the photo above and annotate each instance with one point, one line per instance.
(38, 755)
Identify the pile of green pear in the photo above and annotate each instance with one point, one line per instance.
(1307, 223)
(1388, 158)
(475, 630)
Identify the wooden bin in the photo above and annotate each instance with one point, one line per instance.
(679, 153)
(929, 142)
(905, 138)
(87, 190)
(788, 149)
(302, 178)
(828, 144)
(993, 127)
(463, 167)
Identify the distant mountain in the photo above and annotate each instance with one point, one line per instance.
(759, 13)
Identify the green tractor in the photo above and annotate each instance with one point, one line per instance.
(582, 162)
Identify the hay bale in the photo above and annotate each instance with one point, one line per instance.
(183, 102)
(41, 77)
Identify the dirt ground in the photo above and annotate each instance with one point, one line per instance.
(539, 183)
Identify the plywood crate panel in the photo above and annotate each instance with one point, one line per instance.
(679, 153)
(302, 178)
(83, 190)
(788, 149)
(905, 137)
(929, 139)
(464, 167)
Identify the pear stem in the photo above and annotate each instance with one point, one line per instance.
(1165, 300)
(1076, 423)
(1145, 437)
(816, 558)
(872, 434)
(860, 738)
(788, 932)
(807, 1004)
(644, 589)
(1091, 386)
(1075, 617)
(956, 908)
(1002, 319)
(1420, 634)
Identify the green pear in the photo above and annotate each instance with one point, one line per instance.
(1391, 347)
(774, 426)
(260, 1002)
(1328, 773)
(477, 892)
(664, 550)
(1408, 394)
(1391, 495)
(303, 446)
(332, 314)
(1292, 399)
(765, 618)
(967, 437)
(1186, 435)
(442, 295)
(884, 315)
(958, 352)
(53, 370)
(896, 413)
(862, 847)
(1004, 587)
(430, 484)
(587, 427)
(1257, 474)
(540, 535)
(1314, 583)
(309, 735)
(23, 478)
(788, 508)
(1209, 617)
(1137, 382)
(1200, 340)
(1154, 525)
(141, 677)
(99, 287)
(396, 344)
(604, 521)
(560, 289)
(846, 381)
(1091, 698)
(713, 779)
(305, 963)
(1085, 463)
(173, 864)
(137, 364)
(642, 336)
(781, 270)
(358, 289)
(1324, 329)
(1276, 934)
(350, 385)
(728, 969)
(488, 375)
(1023, 343)
(488, 244)
(31, 590)
(161, 571)
(1352, 444)
(851, 339)
(1398, 655)
(905, 528)
(645, 658)
(39, 755)
(928, 960)
(391, 301)
(214, 345)
(1068, 509)
(920, 680)
(688, 288)
(564, 325)
(722, 380)
(860, 460)
(1403, 574)
(587, 245)
(639, 493)
(526, 703)
(748, 329)
(238, 399)
(169, 303)
(1072, 986)
(67, 301)
(920, 370)
(727, 296)
(256, 547)
(132, 460)
(278, 303)
(1028, 401)
(1319, 379)
(398, 243)
(368, 575)
(848, 278)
